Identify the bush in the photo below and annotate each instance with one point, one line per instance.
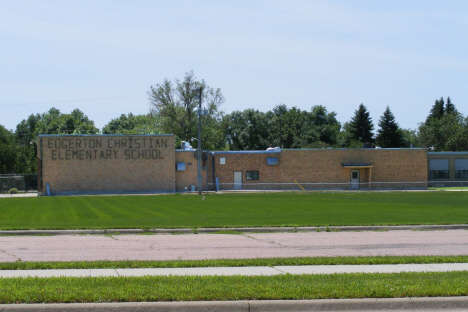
(13, 190)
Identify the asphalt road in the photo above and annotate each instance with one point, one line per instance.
(226, 246)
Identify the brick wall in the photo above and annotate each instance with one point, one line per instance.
(185, 179)
(325, 165)
(147, 163)
(451, 156)
(107, 163)
(250, 161)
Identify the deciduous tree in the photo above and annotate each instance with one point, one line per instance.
(176, 105)
(7, 151)
(133, 124)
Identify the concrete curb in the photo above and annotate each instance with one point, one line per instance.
(393, 304)
(241, 230)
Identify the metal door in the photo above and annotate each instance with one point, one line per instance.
(238, 180)
(354, 179)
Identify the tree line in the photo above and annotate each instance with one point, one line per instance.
(174, 106)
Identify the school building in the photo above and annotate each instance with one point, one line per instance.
(94, 164)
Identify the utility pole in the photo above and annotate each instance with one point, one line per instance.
(280, 135)
(200, 112)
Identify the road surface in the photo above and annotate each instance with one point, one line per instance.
(226, 246)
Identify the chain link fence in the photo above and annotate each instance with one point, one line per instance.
(22, 182)
(323, 187)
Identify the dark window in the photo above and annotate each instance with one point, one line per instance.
(461, 168)
(438, 174)
(461, 174)
(272, 161)
(252, 175)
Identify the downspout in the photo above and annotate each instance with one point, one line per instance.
(213, 171)
(42, 184)
(207, 171)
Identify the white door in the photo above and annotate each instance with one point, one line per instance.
(238, 180)
(354, 179)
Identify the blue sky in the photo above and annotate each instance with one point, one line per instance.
(103, 56)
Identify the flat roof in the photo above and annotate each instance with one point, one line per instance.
(246, 152)
(448, 153)
(100, 134)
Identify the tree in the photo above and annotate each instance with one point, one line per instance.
(437, 110)
(410, 138)
(446, 131)
(449, 133)
(389, 134)
(7, 151)
(51, 122)
(176, 105)
(361, 126)
(450, 107)
(25, 137)
(345, 138)
(133, 124)
(55, 122)
(246, 130)
(297, 128)
(325, 124)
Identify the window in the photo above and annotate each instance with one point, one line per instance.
(438, 169)
(461, 174)
(272, 161)
(461, 168)
(180, 166)
(439, 174)
(222, 160)
(252, 175)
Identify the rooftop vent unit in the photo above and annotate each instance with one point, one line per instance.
(186, 145)
(277, 148)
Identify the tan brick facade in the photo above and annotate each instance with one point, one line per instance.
(325, 165)
(188, 178)
(451, 157)
(247, 161)
(149, 163)
(106, 163)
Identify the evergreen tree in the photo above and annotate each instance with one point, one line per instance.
(361, 125)
(450, 107)
(437, 110)
(446, 131)
(389, 135)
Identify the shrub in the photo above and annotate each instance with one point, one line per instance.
(13, 190)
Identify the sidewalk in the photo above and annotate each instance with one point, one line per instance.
(244, 271)
(6, 195)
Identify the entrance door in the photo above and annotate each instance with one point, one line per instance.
(354, 179)
(238, 180)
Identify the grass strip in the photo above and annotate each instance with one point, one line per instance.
(232, 262)
(234, 210)
(193, 288)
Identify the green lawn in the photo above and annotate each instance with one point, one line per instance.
(132, 264)
(234, 210)
(193, 288)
